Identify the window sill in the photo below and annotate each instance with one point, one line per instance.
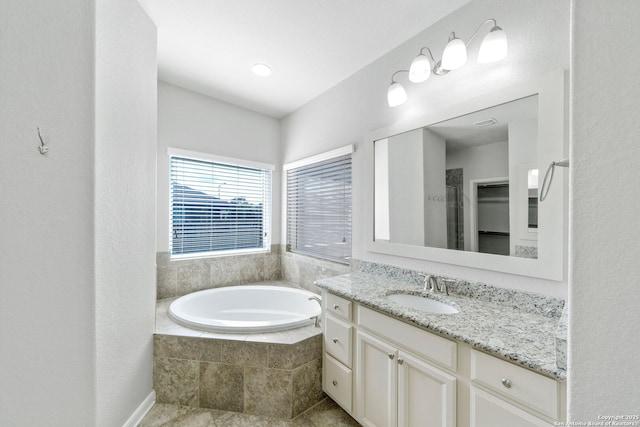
(207, 255)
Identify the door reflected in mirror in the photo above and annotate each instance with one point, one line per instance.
(532, 189)
(468, 183)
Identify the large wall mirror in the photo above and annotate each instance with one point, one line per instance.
(461, 186)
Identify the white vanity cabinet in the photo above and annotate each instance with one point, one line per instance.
(337, 377)
(503, 394)
(398, 389)
(388, 373)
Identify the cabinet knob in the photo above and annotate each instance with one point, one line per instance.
(400, 361)
(336, 307)
(391, 356)
(334, 382)
(335, 340)
(506, 382)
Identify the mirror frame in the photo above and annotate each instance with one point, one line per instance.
(553, 132)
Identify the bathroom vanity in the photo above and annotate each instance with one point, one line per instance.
(491, 364)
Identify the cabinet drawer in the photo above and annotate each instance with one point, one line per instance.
(429, 346)
(488, 410)
(337, 339)
(337, 382)
(536, 391)
(338, 306)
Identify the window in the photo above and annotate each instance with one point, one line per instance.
(319, 206)
(218, 207)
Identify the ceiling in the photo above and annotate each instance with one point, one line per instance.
(462, 132)
(209, 46)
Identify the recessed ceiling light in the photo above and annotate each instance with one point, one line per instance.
(486, 122)
(261, 70)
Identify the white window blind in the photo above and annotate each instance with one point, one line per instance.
(218, 208)
(319, 209)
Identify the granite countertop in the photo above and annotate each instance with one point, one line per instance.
(517, 326)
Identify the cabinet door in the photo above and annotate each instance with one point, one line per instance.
(376, 379)
(426, 395)
(489, 410)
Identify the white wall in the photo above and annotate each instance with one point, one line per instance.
(604, 343)
(538, 42)
(196, 122)
(478, 162)
(125, 204)
(523, 153)
(406, 188)
(76, 275)
(47, 310)
(434, 153)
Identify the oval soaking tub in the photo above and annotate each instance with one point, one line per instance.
(245, 309)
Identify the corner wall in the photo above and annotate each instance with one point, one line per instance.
(538, 43)
(125, 203)
(604, 297)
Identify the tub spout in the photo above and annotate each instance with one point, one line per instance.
(316, 318)
(316, 299)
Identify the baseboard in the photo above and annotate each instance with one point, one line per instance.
(141, 411)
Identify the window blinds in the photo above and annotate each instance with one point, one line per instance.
(218, 207)
(319, 209)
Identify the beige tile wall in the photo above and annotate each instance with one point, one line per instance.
(180, 277)
(259, 378)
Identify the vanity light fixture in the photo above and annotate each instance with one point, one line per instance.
(493, 48)
(396, 95)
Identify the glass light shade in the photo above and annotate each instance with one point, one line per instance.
(420, 69)
(261, 70)
(493, 47)
(454, 55)
(396, 95)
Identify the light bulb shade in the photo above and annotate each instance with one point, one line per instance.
(493, 47)
(420, 69)
(454, 55)
(396, 95)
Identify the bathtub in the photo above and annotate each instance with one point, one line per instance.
(245, 309)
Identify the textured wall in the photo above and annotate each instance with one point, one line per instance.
(604, 298)
(47, 347)
(125, 203)
(538, 43)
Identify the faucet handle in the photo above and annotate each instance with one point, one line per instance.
(446, 283)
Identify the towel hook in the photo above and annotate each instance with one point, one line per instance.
(552, 166)
(43, 148)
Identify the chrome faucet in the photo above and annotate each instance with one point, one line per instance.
(430, 282)
(316, 318)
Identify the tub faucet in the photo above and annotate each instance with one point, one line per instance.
(316, 318)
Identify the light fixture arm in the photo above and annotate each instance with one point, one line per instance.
(495, 24)
(430, 54)
(394, 75)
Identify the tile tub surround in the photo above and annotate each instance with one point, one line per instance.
(516, 326)
(272, 374)
(179, 277)
(304, 270)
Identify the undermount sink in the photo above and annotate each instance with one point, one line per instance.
(423, 303)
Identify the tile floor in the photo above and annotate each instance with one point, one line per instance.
(325, 414)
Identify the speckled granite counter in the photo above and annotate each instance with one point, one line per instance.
(520, 327)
